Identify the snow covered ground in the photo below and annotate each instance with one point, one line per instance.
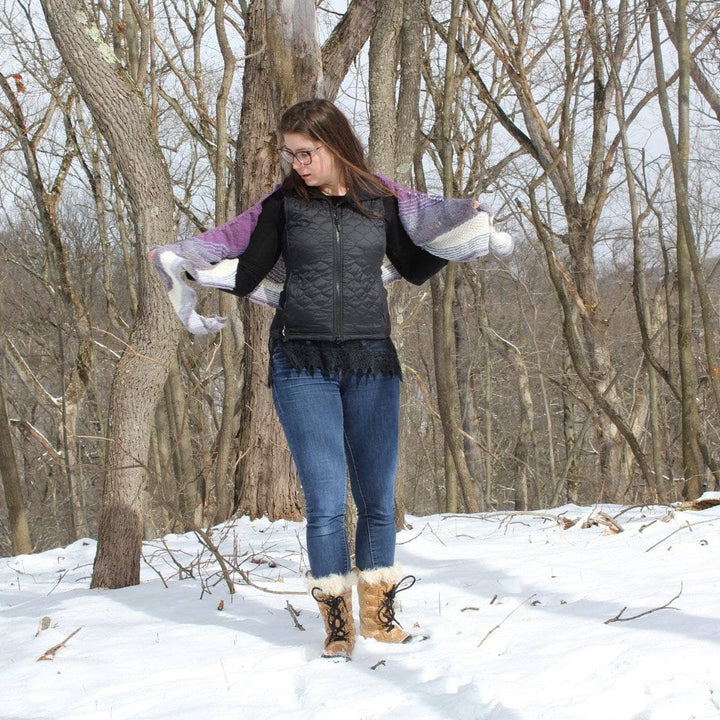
(516, 607)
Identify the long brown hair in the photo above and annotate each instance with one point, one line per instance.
(320, 120)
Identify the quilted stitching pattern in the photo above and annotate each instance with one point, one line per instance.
(334, 291)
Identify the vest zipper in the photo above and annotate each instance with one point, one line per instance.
(337, 280)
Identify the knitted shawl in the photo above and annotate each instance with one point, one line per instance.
(448, 228)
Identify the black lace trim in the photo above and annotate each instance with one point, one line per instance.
(353, 356)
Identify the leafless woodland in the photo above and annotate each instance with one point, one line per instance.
(581, 369)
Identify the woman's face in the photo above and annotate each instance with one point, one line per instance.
(323, 172)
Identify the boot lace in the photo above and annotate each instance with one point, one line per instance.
(386, 613)
(337, 615)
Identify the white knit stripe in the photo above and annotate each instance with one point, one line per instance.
(221, 275)
(388, 272)
(331, 584)
(391, 574)
(467, 240)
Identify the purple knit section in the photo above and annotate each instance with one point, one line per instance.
(223, 242)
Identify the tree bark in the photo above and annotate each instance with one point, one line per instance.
(383, 71)
(345, 42)
(17, 510)
(408, 113)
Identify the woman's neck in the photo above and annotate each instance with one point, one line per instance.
(334, 189)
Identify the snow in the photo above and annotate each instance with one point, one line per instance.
(515, 605)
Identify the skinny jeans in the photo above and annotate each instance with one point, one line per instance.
(337, 423)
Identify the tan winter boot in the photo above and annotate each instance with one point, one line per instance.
(334, 598)
(376, 592)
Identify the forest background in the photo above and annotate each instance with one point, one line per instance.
(581, 369)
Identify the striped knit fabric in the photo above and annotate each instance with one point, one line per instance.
(448, 228)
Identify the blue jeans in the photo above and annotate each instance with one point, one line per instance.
(334, 423)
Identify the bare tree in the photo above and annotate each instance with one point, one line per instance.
(122, 116)
(679, 152)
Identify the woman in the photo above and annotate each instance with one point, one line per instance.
(334, 370)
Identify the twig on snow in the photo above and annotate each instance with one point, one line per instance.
(187, 571)
(246, 577)
(687, 526)
(294, 615)
(49, 654)
(60, 579)
(492, 630)
(561, 520)
(666, 606)
(436, 535)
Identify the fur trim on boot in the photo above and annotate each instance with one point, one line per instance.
(333, 594)
(377, 589)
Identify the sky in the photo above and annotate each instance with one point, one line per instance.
(551, 614)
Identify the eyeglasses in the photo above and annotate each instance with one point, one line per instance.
(304, 157)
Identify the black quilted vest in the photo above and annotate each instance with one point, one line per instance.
(333, 256)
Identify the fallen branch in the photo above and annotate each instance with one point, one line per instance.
(492, 630)
(666, 606)
(244, 575)
(50, 653)
(561, 520)
(602, 518)
(640, 507)
(687, 526)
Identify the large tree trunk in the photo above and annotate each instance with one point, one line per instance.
(283, 61)
(283, 66)
(119, 111)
